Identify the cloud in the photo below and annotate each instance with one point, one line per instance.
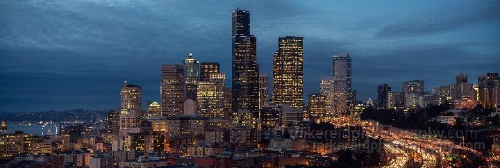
(425, 23)
(436, 64)
(52, 50)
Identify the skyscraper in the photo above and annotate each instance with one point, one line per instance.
(113, 121)
(218, 78)
(288, 72)
(317, 107)
(489, 89)
(396, 100)
(263, 90)
(129, 123)
(154, 109)
(172, 89)
(343, 95)
(210, 96)
(462, 92)
(442, 93)
(245, 71)
(241, 22)
(456, 88)
(383, 96)
(327, 89)
(191, 76)
(412, 91)
(211, 99)
(130, 98)
(461, 78)
(207, 68)
(130, 111)
(227, 101)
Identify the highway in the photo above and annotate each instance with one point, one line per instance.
(419, 152)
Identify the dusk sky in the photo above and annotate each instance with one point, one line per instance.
(76, 54)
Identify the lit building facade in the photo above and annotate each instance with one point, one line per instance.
(327, 89)
(263, 90)
(442, 93)
(130, 98)
(357, 109)
(158, 124)
(228, 101)
(280, 116)
(218, 78)
(396, 100)
(129, 123)
(383, 96)
(343, 95)
(11, 144)
(488, 86)
(317, 107)
(188, 126)
(191, 76)
(245, 71)
(16, 143)
(245, 128)
(288, 72)
(144, 141)
(207, 68)
(211, 99)
(241, 22)
(412, 91)
(172, 90)
(462, 90)
(113, 121)
(190, 107)
(154, 109)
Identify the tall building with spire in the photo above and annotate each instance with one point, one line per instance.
(172, 90)
(245, 71)
(191, 76)
(288, 72)
(130, 98)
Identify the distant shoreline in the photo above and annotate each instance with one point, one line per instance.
(31, 129)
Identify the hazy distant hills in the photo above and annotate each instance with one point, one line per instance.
(56, 116)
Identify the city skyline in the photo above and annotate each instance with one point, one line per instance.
(75, 66)
(200, 120)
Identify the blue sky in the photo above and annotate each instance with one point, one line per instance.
(75, 54)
